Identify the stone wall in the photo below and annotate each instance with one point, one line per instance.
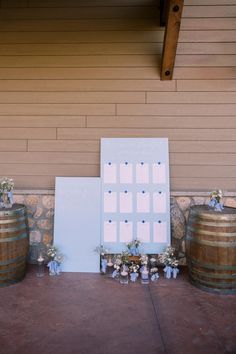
(40, 209)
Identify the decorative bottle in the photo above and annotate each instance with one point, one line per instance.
(145, 275)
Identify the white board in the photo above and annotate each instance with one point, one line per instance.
(77, 222)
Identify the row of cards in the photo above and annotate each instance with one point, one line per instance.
(144, 202)
(141, 229)
(144, 173)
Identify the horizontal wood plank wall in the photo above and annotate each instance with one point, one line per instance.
(73, 71)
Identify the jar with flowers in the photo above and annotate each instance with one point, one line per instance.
(6, 194)
(55, 260)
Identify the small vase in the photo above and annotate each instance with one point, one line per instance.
(175, 272)
(54, 268)
(168, 271)
(124, 279)
(133, 277)
(115, 274)
(134, 251)
(7, 200)
(145, 275)
(154, 277)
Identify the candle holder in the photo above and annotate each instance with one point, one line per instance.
(40, 266)
(110, 268)
(124, 278)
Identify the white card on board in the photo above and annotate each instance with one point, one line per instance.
(158, 173)
(126, 231)
(126, 173)
(109, 173)
(143, 202)
(110, 231)
(159, 202)
(126, 202)
(110, 202)
(143, 231)
(159, 232)
(142, 173)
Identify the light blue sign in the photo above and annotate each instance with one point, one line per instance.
(135, 193)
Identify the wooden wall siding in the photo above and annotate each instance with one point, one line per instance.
(73, 71)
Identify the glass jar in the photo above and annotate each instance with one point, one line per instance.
(109, 268)
(40, 266)
(124, 275)
(145, 275)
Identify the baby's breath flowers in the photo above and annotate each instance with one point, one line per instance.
(168, 257)
(6, 185)
(144, 259)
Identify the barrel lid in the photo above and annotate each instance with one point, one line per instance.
(204, 211)
(15, 209)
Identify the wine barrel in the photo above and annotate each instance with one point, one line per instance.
(211, 249)
(14, 244)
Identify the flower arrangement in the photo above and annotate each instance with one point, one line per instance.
(6, 195)
(170, 261)
(153, 268)
(124, 257)
(55, 260)
(133, 247)
(123, 267)
(133, 268)
(103, 252)
(6, 185)
(168, 257)
(144, 259)
(215, 200)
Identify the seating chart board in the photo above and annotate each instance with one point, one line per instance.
(135, 193)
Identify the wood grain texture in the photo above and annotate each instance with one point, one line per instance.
(176, 109)
(146, 121)
(173, 134)
(64, 145)
(73, 71)
(56, 109)
(173, 21)
(27, 133)
(72, 97)
(13, 145)
(38, 121)
(86, 85)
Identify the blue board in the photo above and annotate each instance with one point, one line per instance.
(135, 193)
(77, 222)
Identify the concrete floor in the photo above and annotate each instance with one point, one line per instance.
(90, 314)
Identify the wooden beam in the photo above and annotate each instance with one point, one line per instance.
(174, 13)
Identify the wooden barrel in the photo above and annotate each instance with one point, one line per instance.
(14, 244)
(211, 249)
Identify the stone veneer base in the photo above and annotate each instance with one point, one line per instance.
(40, 207)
